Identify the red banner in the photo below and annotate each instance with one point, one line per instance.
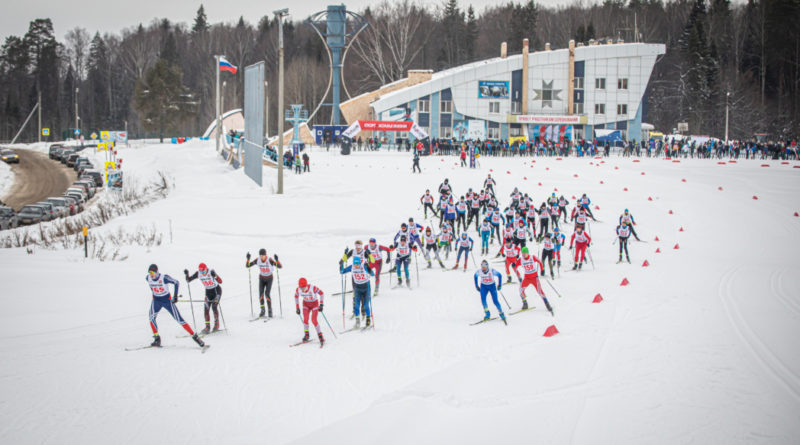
(385, 125)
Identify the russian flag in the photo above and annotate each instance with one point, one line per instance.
(224, 65)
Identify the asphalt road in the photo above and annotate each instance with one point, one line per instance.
(37, 177)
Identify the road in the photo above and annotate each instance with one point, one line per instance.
(37, 177)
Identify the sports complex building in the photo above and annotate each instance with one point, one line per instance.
(579, 92)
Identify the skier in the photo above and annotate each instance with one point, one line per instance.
(265, 270)
(548, 248)
(552, 200)
(442, 205)
(520, 233)
(162, 299)
(544, 219)
(489, 184)
(485, 231)
(495, 218)
(511, 252)
(445, 241)
(313, 301)
(415, 167)
(414, 230)
(403, 232)
(558, 241)
(555, 214)
(624, 232)
(403, 258)
(585, 203)
(562, 206)
(450, 213)
(486, 276)
(361, 295)
(531, 267)
(581, 241)
(628, 218)
(445, 188)
(211, 282)
(427, 201)
(474, 209)
(515, 198)
(360, 254)
(429, 239)
(461, 214)
(580, 216)
(464, 244)
(376, 260)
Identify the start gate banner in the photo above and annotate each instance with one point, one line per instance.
(411, 126)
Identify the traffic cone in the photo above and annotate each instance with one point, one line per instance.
(670, 212)
(575, 175)
(525, 178)
(597, 298)
(645, 264)
(601, 182)
(676, 247)
(642, 173)
(796, 214)
(508, 172)
(551, 331)
(625, 282)
(719, 188)
(755, 197)
(540, 184)
(649, 198)
(616, 168)
(681, 230)
(658, 250)
(625, 189)
(597, 207)
(657, 239)
(683, 180)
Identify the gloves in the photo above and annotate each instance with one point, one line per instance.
(175, 298)
(248, 256)
(276, 257)
(320, 307)
(344, 258)
(477, 288)
(570, 247)
(298, 310)
(186, 272)
(499, 287)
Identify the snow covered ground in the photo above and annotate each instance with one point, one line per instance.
(6, 178)
(699, 348)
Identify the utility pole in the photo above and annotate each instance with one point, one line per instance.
(76, 112)
(40, 115)
(727, 100)
(266, 111)
(280, 14)
(219, 120)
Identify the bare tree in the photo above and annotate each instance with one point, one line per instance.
(78, 46)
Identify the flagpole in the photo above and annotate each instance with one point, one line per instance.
(219, 117)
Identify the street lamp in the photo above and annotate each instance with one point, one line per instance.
(280, 14)
(76, 111)
(727, 99)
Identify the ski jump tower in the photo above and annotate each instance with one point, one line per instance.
(338, 29)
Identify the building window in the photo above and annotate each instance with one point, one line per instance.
(445, 132)
(424, 106)
(494, 107)
(599, 108)
(494, 133)
(547, 94)
(577, 83)
(600, 83)
(577, 108)
(515, 131)
(622, 109)
(516, 107)
(403, 135)
(446, 107)
(622, 84)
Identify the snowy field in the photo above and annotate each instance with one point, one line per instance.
(6, 178)
(699, 348)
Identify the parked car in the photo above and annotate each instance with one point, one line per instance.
(85, 166)
(66, 208)
(75, 202)
(65, 154)
(80, 161)
(95, 176)
(86, 186)
(9, 156)
(8, 218)
(77, 195)
(51, 212)
(31, 214)
(71, 159)
(54, 149)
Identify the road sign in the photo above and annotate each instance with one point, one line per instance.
(77, 132)
(94, 136)
(45, 132)
(683, 126)
(104, 135)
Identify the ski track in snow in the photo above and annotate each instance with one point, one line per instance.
(696, 349)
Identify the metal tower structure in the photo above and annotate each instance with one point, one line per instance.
(338, 29)
(297, 115)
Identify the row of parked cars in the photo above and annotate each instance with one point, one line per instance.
(70, 203)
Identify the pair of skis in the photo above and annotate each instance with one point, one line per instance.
(203, 348)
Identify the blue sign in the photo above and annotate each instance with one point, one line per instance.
(492, 89)
(77, 132)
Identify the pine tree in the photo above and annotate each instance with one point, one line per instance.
(522, 26)
(200, 21)
(169, 51)
(161, 98)
(470, 34)
(98, 114)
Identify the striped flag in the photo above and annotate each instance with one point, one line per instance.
(224, 65)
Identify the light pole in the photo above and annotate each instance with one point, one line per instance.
(280, 14)
(727, 99)
(76, 112)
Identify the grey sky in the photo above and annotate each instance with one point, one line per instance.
(116, 15)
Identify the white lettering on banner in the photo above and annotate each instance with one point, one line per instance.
(533, 119)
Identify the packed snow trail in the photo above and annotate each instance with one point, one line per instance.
(697, 348)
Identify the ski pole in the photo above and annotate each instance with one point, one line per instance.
(344, 326)
(504, 299)
(551, 287)
(473, 259)
(191, 304)
(250, 280)
(227, 332)
(371, 309)
(416, 263)
(329, 324)
(280, 299)
(589, 251)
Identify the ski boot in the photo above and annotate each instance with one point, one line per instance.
(547, 305)
(455, 267)
(358, 322)
(156, 341)
(408, 282)
(377, 286)
(580, 265)
(306, 337)
(369, 321)
(559, 264)
(269, 313)
(552, 275)
(429, 265)
(263, 312)
(441, 264)
(399, 281)
(524, 304)
(216, 326)
(574, 266)
(465, 266)
(206, 330)
(486, 316)
(321, 340)
(503, 317)
(628, 258)
(197, 340)
(509, 279)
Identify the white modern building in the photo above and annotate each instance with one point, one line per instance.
(548, 94)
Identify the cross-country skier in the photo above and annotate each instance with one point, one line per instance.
(450, 213)
(489, 184)
(531, 266)
(211, 282)
(414, 230)
(446, 241)
(445, 188)
(544, 219)
(313, 301)
(415, 167)
(402, 232)
(585, 203)
(265, 271)
(461, 214)
(559, 239)
(464, 244)
(548, 248)
(361, 297)
(403, 259)
(431, 244)
(360, 254)
(555, 214)
(474, 209)
(624, 232)
(552, 200)
(628, 218)
(520, 233)
(427, 201)
(495, 218)
(580, 217)
(162, 299)
(485, 284)
(511, 252)
(562, 206)
(374, 250)
(485, 231)
(581, 240)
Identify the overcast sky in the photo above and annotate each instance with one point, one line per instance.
(112, 16)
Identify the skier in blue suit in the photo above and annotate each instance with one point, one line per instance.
(487, 276)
